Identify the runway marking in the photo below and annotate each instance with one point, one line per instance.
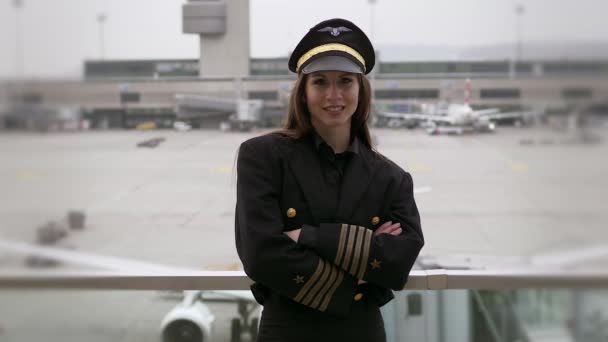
(519, 167)
(30, 175)
(421, 167)
(226, 168)
(89, 259)
(233, 266)
(422, 189)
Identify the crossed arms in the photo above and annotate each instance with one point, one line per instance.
(323, 268)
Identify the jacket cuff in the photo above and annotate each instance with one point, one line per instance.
(308, 236)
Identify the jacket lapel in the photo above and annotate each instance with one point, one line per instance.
(306, 168)
(357, 177)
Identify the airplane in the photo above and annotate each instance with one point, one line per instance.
(181, 126)
(189, 320)
(455, 118)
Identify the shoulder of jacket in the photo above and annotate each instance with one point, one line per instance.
(389, 167)
(263, 140)
(269, 143)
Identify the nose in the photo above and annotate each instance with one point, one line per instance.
(334, 92)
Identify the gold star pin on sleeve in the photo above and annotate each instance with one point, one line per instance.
(375, 264)
(299, 279)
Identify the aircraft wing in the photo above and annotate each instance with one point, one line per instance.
(486, 112)
(116, 264)
(418, 117)
(441, 119)
(88, 259)
(509, 115)
(404, 116)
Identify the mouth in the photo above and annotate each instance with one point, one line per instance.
(334, 109)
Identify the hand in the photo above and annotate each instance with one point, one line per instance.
(389, 228)
(294, 234)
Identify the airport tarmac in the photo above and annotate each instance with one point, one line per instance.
(526, 193)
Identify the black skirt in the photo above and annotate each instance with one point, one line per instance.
(287, 321)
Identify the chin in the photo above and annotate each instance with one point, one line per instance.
(333, 123)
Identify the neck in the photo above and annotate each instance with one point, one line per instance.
(336, 137)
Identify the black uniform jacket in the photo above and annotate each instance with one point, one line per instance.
(279, 188)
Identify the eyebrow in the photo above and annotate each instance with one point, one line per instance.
(339, 75)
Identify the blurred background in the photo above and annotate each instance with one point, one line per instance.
(120, 122)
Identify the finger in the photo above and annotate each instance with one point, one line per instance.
(396, 232)
(392, 230)
(385, 225)
(382, 228)
(393, 227)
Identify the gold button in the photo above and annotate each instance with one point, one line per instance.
(291, 213)
(358, 296)
(375, 220)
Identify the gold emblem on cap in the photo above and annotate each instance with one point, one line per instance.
(329, 47)
(358, 296)
(291, 213)
(375, 220)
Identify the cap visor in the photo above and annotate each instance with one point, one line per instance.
(332, 63)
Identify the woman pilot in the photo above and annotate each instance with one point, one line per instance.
(325, 225)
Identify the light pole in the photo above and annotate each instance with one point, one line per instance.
(101, 19)
(18, 5)
(371, 18)
(517, 45)
(371, 37)
(519, 12)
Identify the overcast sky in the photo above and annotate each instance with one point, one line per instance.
(57, 35)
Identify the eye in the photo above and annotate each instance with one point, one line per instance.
(318, 81)
(347, 80)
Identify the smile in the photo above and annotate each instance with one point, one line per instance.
(334, 108)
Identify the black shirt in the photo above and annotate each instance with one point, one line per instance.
(333, 166)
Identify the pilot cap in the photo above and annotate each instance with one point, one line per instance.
(334, 44)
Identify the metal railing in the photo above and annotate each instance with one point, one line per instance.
(438, 279)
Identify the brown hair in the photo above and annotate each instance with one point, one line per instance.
(298, 122)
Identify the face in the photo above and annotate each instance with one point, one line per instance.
(332, 98)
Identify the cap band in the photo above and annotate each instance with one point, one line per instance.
(329, 47)
(335, 63)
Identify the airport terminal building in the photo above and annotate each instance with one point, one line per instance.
(209, 90)
(125, 93)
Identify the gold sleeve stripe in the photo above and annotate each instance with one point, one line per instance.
(315, 289)
(333, 289)
(312, 280)
(341, 244)
(326, 287)
(366, 245)
(357, 254)
(329, 47)
(349, 247)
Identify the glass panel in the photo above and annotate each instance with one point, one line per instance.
(79, 315)
(507, 316)
(454, 315)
